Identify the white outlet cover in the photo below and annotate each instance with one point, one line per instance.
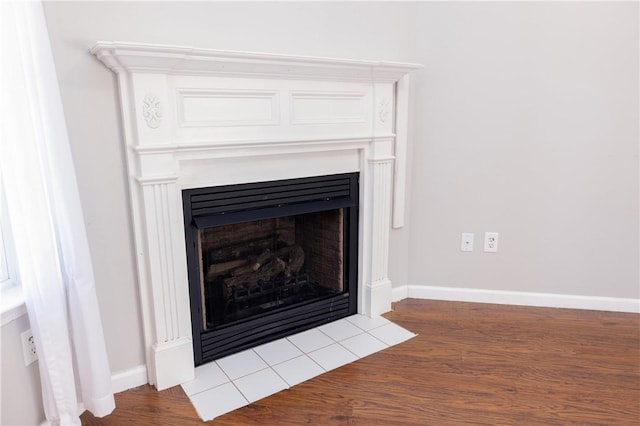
(28, 347)
(491, 242)
(466, 243)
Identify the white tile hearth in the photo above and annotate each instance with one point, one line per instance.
(237, 380)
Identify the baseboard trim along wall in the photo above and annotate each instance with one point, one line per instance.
(546, 300)
(127, 379)
(137, 376)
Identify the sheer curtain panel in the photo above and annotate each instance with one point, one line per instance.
(46, 219)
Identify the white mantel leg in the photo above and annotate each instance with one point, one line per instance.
(171, 356)
(378, 289)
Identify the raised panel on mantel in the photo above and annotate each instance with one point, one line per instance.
(213, 108)
(327, 107)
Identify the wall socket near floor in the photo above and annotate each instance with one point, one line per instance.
(28, 347)
(467, 242)
(491, 242)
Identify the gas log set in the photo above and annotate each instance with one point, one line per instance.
(255, 276)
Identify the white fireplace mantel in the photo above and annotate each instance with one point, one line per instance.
(200, 117)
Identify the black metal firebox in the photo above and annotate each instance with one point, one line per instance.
(269, 259)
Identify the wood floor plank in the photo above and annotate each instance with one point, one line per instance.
(470, 364)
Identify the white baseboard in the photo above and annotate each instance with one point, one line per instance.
(399, 293)
(548, 300)
(127, 379)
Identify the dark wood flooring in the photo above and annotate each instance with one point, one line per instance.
(470, 364)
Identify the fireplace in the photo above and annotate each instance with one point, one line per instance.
(199, 118)
(269, 259)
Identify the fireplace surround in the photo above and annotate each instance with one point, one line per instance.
(269, 259)
(201, 118)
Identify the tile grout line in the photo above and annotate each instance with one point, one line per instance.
(211, 387)
(318, 364)
(387, 346)
(243, 395)
(245, 375)
(221, 384)
(222, 369)
(302, 353)
(321, 347)
(338, 341)
(263, 369)
(271, 366)
(380, 340)
(305, 354)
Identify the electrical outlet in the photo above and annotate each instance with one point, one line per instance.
(467, 242)
(28, 347)
(491, 242)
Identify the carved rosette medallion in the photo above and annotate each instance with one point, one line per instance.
(383, 110)
(152, 111)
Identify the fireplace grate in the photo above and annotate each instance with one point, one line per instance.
(246, 302)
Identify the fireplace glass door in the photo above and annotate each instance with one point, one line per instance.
(252, 268)
(269, 259)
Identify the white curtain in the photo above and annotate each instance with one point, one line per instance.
(47, 222)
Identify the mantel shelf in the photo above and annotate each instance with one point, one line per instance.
(151, 58)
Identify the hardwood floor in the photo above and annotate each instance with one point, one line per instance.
(470, 364)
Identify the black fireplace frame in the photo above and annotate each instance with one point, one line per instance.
(229, 204)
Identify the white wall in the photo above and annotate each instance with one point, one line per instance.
(527, 125)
